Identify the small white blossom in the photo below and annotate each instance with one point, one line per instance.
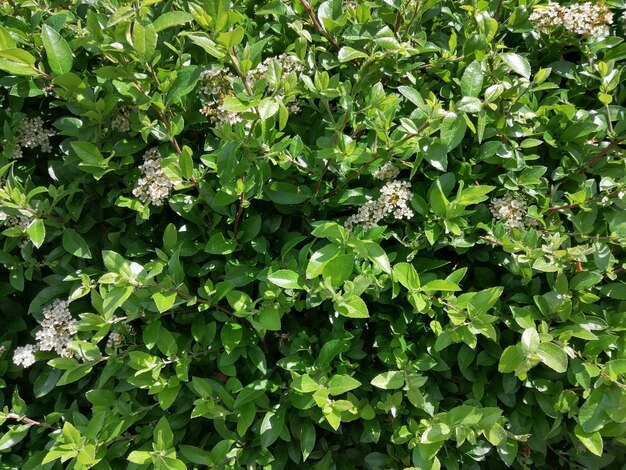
(115, 339)
(20, 221)
(386, 172)
(32, 134)
(57, 328)
(121, 119)
(153, 185)
(587, 19)
(512, 211)
(213, 92)
(24, 355)
(393, 200)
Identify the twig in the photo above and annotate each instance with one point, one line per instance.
(601, 154)
(590, 201)
(30, 422)
(242, 198)
(318, 26)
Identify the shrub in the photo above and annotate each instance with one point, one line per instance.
(374, 234)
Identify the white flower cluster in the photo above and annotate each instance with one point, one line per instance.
(388, 171)
(20, 221)
(214, 90)
(121, 119)
(288, 64)
(24, 355)
(115, 339)
(153, 185)
(588, 19)
(57, 328)
(512, 211)
(31, 134)
(393, 200)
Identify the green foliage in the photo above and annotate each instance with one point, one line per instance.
(372, 234)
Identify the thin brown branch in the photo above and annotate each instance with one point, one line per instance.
(242, 198)
(601, 153)
(590, 201)
(30, 422)
(318, 25)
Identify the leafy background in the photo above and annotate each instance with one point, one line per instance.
(256, 330)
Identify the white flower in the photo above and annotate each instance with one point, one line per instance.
(153, 185)
(512, 211)
(121, 119)
(393, 200)
(32, 134)
(388, 171)
(115, 339)
(57, 328)
(24, 355)
(587, 19)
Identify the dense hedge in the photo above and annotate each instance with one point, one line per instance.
(372, 234)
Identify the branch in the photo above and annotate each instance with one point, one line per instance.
(590, 201)
(318, 26)
(30, 422)
(601, 153)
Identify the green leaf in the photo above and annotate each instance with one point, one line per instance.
(267, 108)
(144, 41)
(472, 79)
(530, 341)
(269, 318)
(218, 245)
(553, 356)
(75, 244)
(474, 194)
(437, 156)
(13, 436)
(58, 51)
(36, 231)
(164, 300)
(195, 455)
(389, 380)
(338, 269)
(184, 83)
(375, 253)
(271, 427)
(585, 280)
(114, 299)
(512, 357)
(208, 45)
(231, 335)
(442, 285)
(231, 38)
(251, 392)
(18, 62)
(162, 434)
(329, 351)
(517, 63)
(592, 440)
(88, 153)
(287, 193)
(341, 383)
(171, 19)
(352, 307)
(286, 279)
(614, 290)
(346, 54)
(452, 130)
(307, 438)
(406, 275)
